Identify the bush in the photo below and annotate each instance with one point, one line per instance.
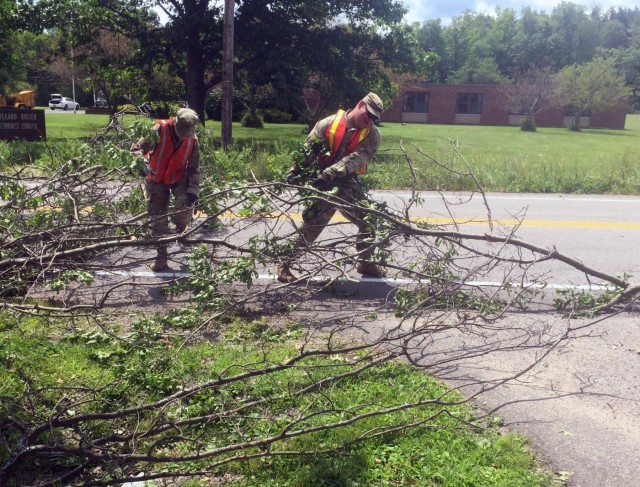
(253, 122)
(273, 115)
(20, 152)
(213, 106)
(527, 124)
(163, 109)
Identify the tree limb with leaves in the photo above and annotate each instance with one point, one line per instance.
(68, 238)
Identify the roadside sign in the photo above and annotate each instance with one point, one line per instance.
(22, 124)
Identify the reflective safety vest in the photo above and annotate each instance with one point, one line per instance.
(334, 135)
(165, 163)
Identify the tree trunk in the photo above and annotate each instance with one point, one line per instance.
(194, 83)
(576, 123)
(253, 103)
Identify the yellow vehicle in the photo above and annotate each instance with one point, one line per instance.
(24, 99)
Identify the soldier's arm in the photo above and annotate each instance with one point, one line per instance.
(193, 171)
(142, 146)
(357, 159)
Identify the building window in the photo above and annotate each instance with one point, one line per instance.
(416, 102)
(470, 103)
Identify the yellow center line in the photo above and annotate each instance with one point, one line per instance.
(510, 222)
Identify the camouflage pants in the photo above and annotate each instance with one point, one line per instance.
(159, 210)
(317, 216)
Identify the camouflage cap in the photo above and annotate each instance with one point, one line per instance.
(186, 122)
(374, 104)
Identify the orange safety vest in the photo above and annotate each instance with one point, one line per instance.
(333, 138)
(165, 163)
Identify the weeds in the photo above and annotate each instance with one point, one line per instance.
(89, 371)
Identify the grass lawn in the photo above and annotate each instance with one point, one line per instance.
(66, 363)
(502, 158)
(508, 159)
(73, 125)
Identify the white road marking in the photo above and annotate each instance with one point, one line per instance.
(514, 197)
(386, 280)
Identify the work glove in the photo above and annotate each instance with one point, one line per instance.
(192, 199)
(324, 181)
(291, 177)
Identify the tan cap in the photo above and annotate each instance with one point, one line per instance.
(374, 104)
(186, 122)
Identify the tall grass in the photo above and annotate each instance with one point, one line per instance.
(443, 450)
(553, 160)
(507, 159)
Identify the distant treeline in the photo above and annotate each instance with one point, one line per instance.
(481, 48)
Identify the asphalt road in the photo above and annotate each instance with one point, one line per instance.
(59, 110)
(602, 231)
(580, 406)
(578, 401)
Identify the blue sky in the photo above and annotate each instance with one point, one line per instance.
(420, 10)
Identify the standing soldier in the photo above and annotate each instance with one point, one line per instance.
(352, 140)
(172, 166)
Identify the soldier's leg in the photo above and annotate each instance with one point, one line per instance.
(157, 195)
(181, 214)
(314, 219)
(352, 192)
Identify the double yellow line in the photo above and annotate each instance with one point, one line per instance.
(509, 222)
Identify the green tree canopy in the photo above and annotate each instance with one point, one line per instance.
(591, 86)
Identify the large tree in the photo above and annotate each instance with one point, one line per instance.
(10, 62)
(281, 43)
(291, 45)
(574, 36)
(430, 39)
(591, 86)
(526, 95)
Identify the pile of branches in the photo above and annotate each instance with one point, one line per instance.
(60, 234)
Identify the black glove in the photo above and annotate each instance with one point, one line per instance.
(291, 177)
(192, 199)
(323, 182)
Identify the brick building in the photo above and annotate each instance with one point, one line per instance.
(481, 105)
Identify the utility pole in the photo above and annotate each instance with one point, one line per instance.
(227, 73)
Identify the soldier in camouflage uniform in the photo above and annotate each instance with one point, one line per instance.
(172, 167)
(352, 139)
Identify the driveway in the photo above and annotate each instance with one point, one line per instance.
(77, 112)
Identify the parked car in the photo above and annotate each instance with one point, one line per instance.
(63, 102)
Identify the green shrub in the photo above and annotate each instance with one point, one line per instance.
(273, 115)
(250, 121)
(20, 152)
(213, 106)
(527, 124)
(163, 109)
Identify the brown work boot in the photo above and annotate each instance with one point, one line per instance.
(284, 273)
(160, 263)
(370, 269)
